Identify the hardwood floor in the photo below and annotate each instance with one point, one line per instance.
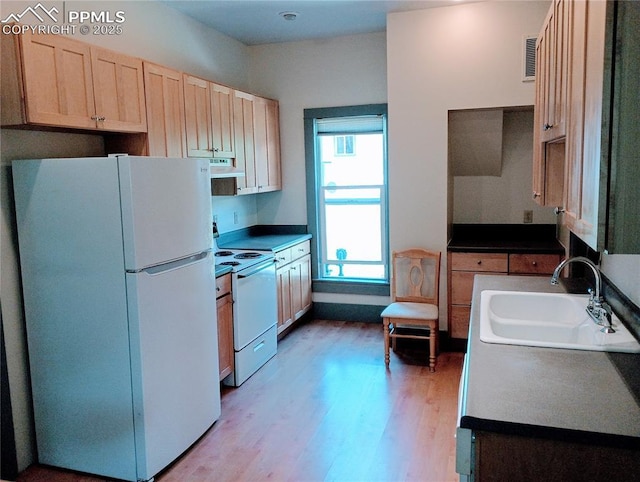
(326, 409)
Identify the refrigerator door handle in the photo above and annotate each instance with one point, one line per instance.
(171, 265)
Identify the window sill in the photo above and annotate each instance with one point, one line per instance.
(352, 287)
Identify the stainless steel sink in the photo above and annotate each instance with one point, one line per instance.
(550, 320)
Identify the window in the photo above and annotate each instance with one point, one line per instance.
(346, 152)
(344, 145)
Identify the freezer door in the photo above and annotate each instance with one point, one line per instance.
(166, 209)
(174, 352)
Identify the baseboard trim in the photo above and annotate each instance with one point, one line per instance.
(347, 312)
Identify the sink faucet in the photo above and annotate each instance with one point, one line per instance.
(598, 309)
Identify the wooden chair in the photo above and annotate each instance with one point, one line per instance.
(414, 294)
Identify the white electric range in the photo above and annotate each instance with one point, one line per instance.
(255, 310)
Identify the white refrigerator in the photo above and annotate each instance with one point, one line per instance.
(119, 294)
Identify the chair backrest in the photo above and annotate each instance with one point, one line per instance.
(415, 276)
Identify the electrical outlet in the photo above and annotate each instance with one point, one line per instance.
(528, 217)
(235, 217)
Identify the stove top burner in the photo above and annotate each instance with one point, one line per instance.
(247, 255)
(223, 253)
(230, 263)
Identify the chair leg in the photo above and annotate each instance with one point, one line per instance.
(385, 324)
(433, 344)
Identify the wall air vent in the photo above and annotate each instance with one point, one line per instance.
(529, 59)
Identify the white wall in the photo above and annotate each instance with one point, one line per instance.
(320, 73)
(460, 57)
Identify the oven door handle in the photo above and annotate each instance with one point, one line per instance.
(256, 268)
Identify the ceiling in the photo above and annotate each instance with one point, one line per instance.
(255, 22)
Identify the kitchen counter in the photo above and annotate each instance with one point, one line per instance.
(543, 392)
(222, 270)
(263, 242)
(509, 238)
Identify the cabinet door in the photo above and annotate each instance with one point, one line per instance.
(538, 116)
(300, 279)
(561, 49)
(273, 145)
(165, 111)
(267, 144)
(584, 150)
(58, 83)
(244, 141)
(197, 110)
(552, 50)
(118, 86)
(223, 140)
(224, 307)
(305, 285)
(285, 311)
(261, 142)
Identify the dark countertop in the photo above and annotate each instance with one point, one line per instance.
(510, 238)
(222, 270)
(264, 242)
(545, 392)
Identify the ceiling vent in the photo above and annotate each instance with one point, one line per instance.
(529, 59)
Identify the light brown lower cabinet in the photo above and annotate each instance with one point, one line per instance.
(224, 305)
(294, 283)
(464, 266)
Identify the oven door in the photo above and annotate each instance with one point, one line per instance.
(255, 309)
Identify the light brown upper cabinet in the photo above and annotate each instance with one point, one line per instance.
(197, 108)
(222, 137)
(267, 144)
(164, 92)
(582, 174)
(550, 118)
(118, 87)
(257, 144)
(209, 118)
(55, 81)
(244, 141)
(600, 149)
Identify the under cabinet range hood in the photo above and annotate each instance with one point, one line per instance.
(221, 168)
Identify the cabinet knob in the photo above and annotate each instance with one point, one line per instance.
(217, 288)
(558, 210)
(534, 263)
(479, 262)
(546, 126)
(536, 194)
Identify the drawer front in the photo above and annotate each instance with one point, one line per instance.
(300, 250)
(495, 262)
(533, 263)
(223, 285)
(462, 286)
(283, 257)
(255, 354)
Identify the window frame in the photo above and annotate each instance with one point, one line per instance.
(348, 286)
